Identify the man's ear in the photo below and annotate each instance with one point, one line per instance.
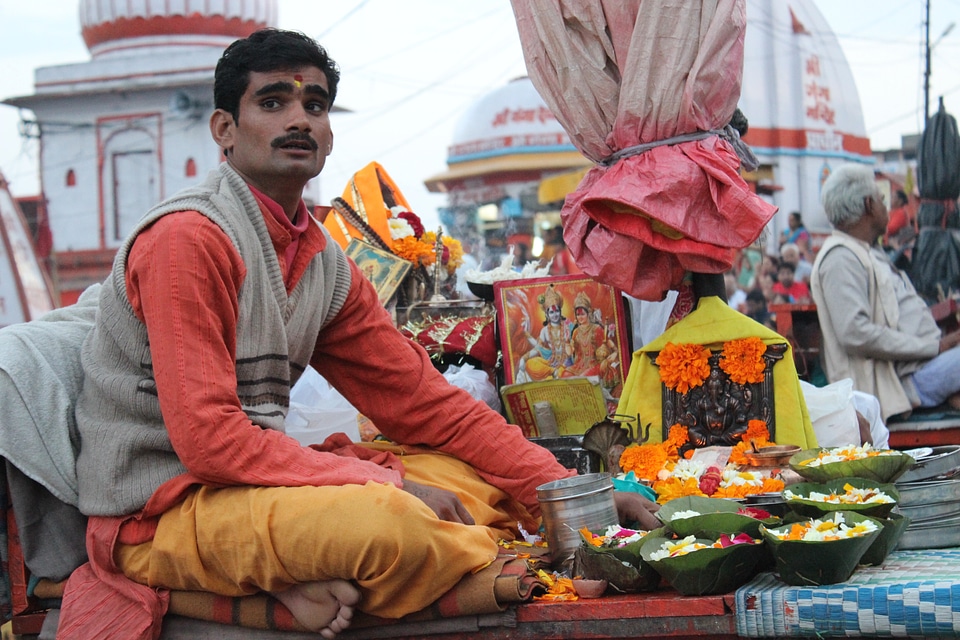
(222, 125)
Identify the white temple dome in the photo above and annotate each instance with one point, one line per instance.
(508, 120)
(138, 25)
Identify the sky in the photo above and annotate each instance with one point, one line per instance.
(411, 68)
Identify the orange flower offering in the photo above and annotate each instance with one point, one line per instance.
(645, 460)
(674, 477)
(758, 434)
(742, 360)
(559, 588)
(846, 454)
(683, 366)
(825, 530)
(411, 242)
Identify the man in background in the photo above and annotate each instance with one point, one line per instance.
(876, 329)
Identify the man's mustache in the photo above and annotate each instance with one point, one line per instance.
(295, 137)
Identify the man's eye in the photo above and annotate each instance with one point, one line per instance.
(270, 103)
(317, 107)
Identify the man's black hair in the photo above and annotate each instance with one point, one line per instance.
(262, 51)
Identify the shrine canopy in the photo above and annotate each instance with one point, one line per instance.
(647, 95)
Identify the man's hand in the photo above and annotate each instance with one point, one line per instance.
(444, 503)
(634, 507)
(949, 341)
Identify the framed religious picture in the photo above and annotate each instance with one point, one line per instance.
(384, 269)
(562, 327)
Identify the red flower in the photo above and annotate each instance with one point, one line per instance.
(414, 222)
(754, 512)
(728, 540)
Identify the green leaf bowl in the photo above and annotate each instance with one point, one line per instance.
(808, 562)
(717, 516)
(883, 469)
(893, 527)
(706, 571)
(817, 508)
(622, 567)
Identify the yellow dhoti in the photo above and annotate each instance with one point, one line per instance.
(239, 540)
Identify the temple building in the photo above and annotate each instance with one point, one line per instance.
(504, 147)
(129, 127)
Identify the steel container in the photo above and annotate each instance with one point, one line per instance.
(571, 504)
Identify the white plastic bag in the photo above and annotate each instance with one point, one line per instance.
(475, 382)
(832, 413)
(317, 411)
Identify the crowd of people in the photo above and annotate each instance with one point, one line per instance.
(775, 280)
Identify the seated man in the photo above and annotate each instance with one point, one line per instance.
(790, 254)
(217, 302)
(876, 329)
(789, 289)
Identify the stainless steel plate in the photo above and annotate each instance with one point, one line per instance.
(937, 510)
(928, 492)
(946, 534)
(939, 461)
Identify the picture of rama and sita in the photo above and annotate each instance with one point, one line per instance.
(553, 328)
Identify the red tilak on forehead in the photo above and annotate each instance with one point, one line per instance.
(298, 80)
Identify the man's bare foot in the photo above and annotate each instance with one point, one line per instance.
(324, 607)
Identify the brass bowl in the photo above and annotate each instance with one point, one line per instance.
(777, 455)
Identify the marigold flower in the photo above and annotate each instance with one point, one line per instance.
(676, 438)
(673, 487)
(742, 360)
(644, 460)
(683, 366)
(756, 430)
(414, 250)
(453, 256)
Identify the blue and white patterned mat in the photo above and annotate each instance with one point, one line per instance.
(912, 594)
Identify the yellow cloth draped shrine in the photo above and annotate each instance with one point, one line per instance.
(711, 324)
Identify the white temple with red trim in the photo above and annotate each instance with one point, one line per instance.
(129, 127)
(799, 96)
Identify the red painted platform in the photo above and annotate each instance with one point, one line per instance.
(659, 614)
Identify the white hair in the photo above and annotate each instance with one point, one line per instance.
(843, 193)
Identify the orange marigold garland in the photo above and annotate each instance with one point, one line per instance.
(683, 366)
(676, 438)
(742, 360)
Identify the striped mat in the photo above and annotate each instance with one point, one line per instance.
(912, 594)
